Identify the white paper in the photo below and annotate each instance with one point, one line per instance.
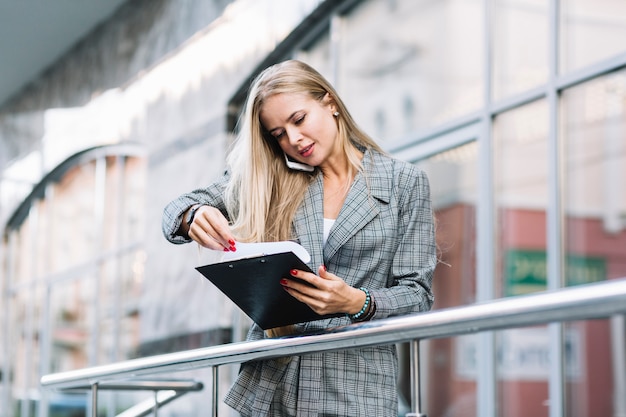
(250, 250)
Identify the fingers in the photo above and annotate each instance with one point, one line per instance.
(324, 294)
(320, 281)
(323, 272)
(210, 229)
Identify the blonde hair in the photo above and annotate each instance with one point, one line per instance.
(264, 194)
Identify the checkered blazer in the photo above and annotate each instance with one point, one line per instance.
(383, 239)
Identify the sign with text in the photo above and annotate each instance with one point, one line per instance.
(522, 355)
(526, 271)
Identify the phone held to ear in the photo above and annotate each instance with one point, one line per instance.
(297, 165)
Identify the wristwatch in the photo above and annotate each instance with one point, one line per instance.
(192, 213)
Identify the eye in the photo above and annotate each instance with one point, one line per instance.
(277, 134)
(299, 119)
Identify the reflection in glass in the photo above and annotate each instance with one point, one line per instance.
(590, 390)
(71, 312)
(450, 363)
(590, 31)
(520, 59)
(522, 369)
(75, 276)
(318, 55)
(521, 195)
(453, 183)
(594, 142)
(411, 65)
(594, 132)
(24, 349)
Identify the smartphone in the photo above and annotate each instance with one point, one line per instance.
(297, 165)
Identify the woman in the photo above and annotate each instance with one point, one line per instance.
(301, 169)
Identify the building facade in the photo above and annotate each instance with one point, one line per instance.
(516, 109)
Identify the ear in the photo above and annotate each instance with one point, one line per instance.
(329, 100)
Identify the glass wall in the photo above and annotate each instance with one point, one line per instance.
(450, 362)
(594, 144)
(520, 149)
(520, 57)
(594, 153)
(453, 179)
(520, 169)
(590, 32)
(76, 268)
(406, 66)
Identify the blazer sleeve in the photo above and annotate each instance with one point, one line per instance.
(213, 196)
(415, 259)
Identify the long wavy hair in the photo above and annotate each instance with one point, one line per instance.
(264, 194)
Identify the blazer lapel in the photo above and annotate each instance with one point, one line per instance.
(360, 207)
(362, 202)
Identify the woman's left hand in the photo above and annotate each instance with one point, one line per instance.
(326, 294)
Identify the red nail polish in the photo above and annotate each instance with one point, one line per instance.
(324, 266)
(293, 272)
(283, 281)
(234, 249)
(225, 249)
(231, 242)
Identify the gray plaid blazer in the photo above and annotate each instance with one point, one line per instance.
(384, 240)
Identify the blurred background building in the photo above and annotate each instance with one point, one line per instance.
(109, 109)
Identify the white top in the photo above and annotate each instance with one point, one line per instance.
(328, 224)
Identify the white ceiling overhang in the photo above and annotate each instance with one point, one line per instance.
(35, 34)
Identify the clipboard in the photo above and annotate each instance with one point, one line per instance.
(253, 284)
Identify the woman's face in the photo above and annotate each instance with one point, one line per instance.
(304, 128)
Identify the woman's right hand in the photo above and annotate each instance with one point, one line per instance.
(210, 229)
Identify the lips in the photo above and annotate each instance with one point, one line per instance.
(306, 151)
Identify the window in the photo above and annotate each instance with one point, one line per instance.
(520, 46)
(590, 32)
(520, 160)
(77, 268)
(428, 53)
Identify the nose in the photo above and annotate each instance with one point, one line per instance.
(293, 134)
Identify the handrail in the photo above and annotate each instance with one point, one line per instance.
(165, 391)
(589, 301)
(181, 385)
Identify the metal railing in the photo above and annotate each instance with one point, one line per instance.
(164, 390)
(599, 300)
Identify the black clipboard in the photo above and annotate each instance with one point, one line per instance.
(253, 284)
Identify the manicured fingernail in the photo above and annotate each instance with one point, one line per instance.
(234, 249)
(293, 272)
(283, 281)
(225, 249)
(231, 242)
(324, 266)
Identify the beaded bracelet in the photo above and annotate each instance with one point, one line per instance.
(358, 315)
(371, 312)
